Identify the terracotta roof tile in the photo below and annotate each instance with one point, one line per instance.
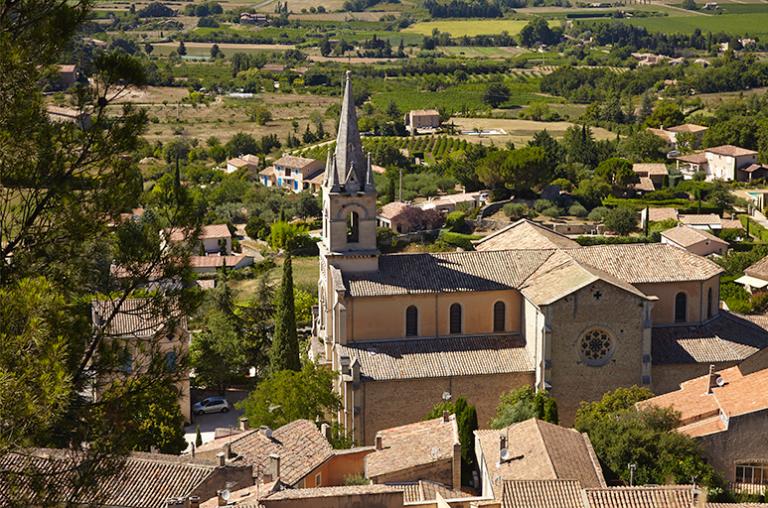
(218, 261)
(136, 317)
(671, 496)
(731, 151)
(541, 451)
(542, 494)
(323, 492)
(293, 162)
(215, 231)
(686, 236)
(447, 272)
(439, 357)
(525, 234)
(427, 490)
(647, 262)
(660, 214)
(759, 270)
(393, 209)
(144, 481)
(413, 445)
(300, 445)
(687, 127)
(728, 337)
(651, 168)
(693, 158)
(703, 219)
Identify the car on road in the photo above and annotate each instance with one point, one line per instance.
(211, 405)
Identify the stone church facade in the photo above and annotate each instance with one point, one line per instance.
(528, 307)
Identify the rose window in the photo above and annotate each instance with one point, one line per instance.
(596, 347)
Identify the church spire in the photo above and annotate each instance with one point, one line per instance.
(349, 149)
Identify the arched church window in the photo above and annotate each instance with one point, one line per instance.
(681, 308)
(499, 317)
(353, 227)
(411, 321)
(455, 318)
(596, 347)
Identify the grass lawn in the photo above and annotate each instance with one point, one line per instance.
(482, 52)
(755, 23)
(306, 271)
(518, 131)
(461, 27)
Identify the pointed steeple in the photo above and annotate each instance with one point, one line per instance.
(369, 183)
(349, 148)
(331, 173)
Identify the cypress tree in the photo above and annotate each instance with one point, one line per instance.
(284, 354)
(198, 437)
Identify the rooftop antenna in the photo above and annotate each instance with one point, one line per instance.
(632, 468)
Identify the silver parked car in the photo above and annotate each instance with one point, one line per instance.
(211, 405)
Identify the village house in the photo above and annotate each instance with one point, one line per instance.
(405, 218)
(653, 176)
(369, 496)
(726, 411)
(577, 321)
(427, 450)
(297, 454)
(535, 450)
(139, 331)
(726, 162)
(693, 131)
(253, 18)
(82, 119)
(147, 480)
(449, 202)
(422, 120)
(206, 265)
(696, 241)
(67, 76)
(215, 239)
(755, 276)
(246, 161)
(294, 173)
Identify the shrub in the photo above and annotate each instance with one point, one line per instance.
(457, 222)
(552, 211)
(542, 204)
(597, 214)
(577, 210)
(457, 240)
(516, 211)
(621, 220)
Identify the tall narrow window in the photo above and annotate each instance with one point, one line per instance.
(455, 316)
(681, 308)
(353, 228)
(709, 303)
(499, 317)
(411, 321)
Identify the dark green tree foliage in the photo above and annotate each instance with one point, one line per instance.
(521, 170)
(466, 421)
(288, 395)
(522, 404)
(537, 31)
(284, 354)
(198, 436)
(622, 434)
(496, 94)
(618, 173)
(621, 220)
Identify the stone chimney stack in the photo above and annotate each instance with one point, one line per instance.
(222, 458)
(379, 442)
(243, 423)
(274, 466)
(711, 380)
(193, 501)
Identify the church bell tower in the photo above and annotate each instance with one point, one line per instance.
(349, 197)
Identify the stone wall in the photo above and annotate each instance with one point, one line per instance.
(386, 404)
(744, 442)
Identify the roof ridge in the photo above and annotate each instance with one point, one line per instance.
(545, 447)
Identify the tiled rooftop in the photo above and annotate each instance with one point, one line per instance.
(758, 270)
(439, 357)
(686, 236)
(541, 451)
(728, 337)
(136, 317)
(321, 492)
(426, 490)
(525, 234)
(541, 494)
(300, 445)
(669, 496)
(731, 151)
(413, 445)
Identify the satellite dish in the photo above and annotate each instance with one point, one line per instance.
(225, 494)
(720, 381)
(504, 455)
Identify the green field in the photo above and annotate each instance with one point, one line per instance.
(459, 27)
(755, 23)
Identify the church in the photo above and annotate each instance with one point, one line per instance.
(528, 306)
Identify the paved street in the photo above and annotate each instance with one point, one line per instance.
(209, 422)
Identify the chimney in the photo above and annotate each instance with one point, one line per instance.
(274, 465)
(711, 379)
(222, 499)
(222, 457)
(266, 431)
(502, 442)
(446, 416)
(325, 430)
(194, 501)
(243, 423)
(228, 450)
(379, 442)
